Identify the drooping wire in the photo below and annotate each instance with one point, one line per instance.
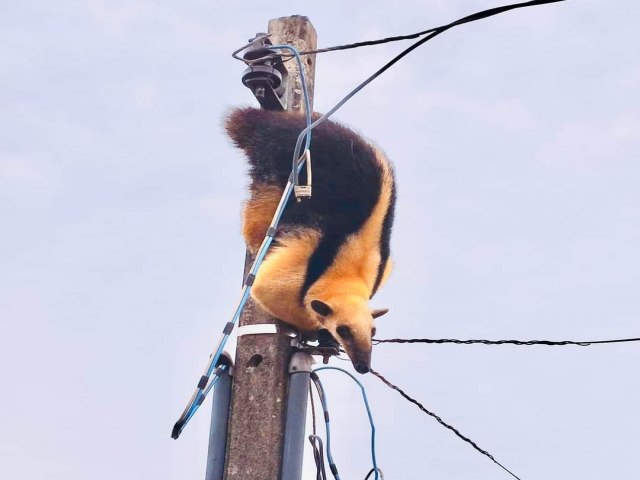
(443, 423)
(316, 441)
(504, 342)
(366, 404)
(325, 408)
(401, 55)
(470, 18)
(318, 456)
(201, 389)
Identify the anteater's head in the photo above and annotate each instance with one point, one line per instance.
(348, 319)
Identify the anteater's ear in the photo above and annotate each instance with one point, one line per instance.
(378, 312)
(321, 308)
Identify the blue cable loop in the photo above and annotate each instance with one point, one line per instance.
(366, 404)
(200, 393)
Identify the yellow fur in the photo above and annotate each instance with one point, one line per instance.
(258, 212)
(359, 257)
(281, 276)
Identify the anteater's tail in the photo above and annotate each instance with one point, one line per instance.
(268, 139)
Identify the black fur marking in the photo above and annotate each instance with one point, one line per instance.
(385, 238)
(346, 179)
(321, 308)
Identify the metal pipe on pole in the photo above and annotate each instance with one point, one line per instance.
(299, 374)
(221, 400)
(261, 374)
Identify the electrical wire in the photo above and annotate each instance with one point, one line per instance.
(442, 422)
(504, 342)
(318, 456)
(313, 410)
(470, 18)
(366, 404)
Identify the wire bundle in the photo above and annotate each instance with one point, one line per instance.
(550, 343)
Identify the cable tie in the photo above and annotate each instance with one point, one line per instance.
(259, 329)
(228, 328)
(202, 383)
(249, 279)
(271, 232)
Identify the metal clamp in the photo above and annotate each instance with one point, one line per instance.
(326, 347)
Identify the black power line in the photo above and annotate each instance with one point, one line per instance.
(443, 423)
(470, 18)
(504, 342)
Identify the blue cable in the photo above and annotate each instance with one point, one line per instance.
(366, 404)
(200, 393)
(307, 108)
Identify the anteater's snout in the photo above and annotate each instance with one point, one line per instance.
(362, 367)
(362, 361)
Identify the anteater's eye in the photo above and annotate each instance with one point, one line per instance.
(373, 332)
(344, 332)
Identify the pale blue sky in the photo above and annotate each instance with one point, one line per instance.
(516, 143)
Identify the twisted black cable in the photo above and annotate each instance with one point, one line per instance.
(504, 342)
(443, 423)
(318, 456)
(313, 410)
(470, 18)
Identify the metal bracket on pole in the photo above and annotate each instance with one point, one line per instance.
(326, 346)
(301, 362)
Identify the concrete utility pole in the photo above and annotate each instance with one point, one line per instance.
(259, 394)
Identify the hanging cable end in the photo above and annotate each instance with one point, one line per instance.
(177, 430)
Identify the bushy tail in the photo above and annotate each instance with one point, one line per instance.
(267, 138)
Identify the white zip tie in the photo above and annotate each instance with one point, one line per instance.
(259, 329)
